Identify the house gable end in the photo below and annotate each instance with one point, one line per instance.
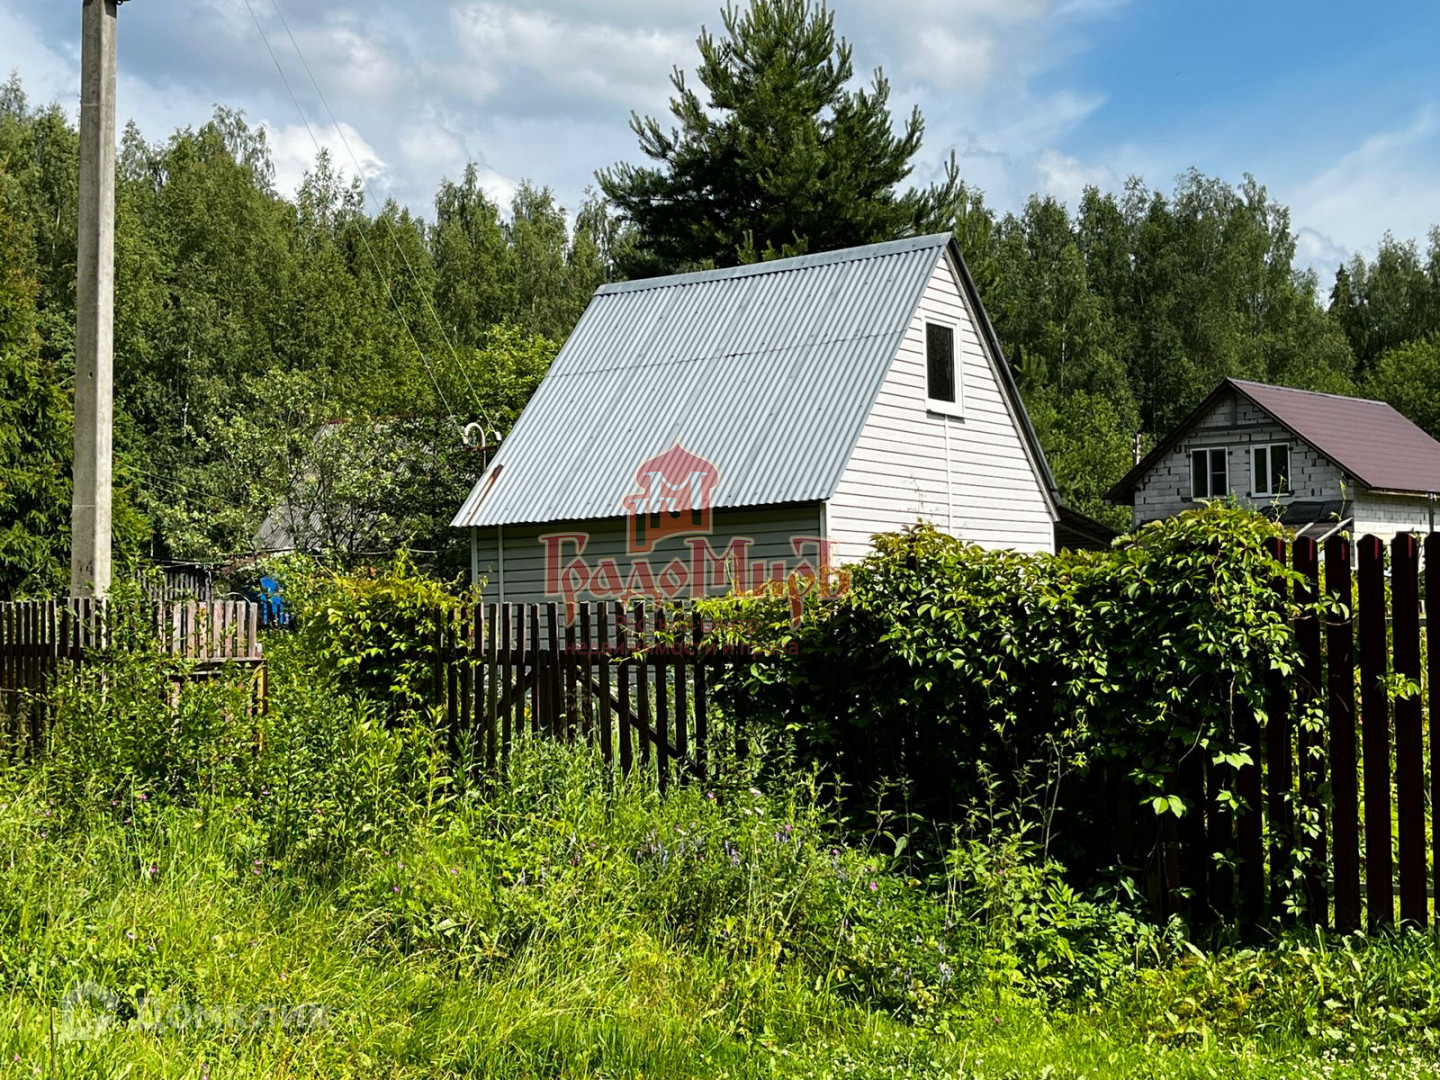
(976, 471)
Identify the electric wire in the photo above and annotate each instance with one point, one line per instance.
(354, 160)
(363, 239)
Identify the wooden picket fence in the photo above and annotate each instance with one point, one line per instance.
(38, 637)
(1349, 809)
(638, 683)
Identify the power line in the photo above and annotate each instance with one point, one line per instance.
(363, 239)
(435, 315)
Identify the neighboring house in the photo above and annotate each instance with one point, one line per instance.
(735, 426)
(1319, 462)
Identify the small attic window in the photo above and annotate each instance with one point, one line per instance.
(942, 373)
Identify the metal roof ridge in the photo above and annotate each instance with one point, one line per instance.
(779, 266)
(1312, 393)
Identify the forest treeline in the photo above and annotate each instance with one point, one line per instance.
(305, 351)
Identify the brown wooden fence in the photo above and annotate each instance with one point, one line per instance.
(1339, 825)
(637, 682)
(37, 637)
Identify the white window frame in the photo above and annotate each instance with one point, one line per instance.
(1209, 451)
(939, 405)
(1256, 488)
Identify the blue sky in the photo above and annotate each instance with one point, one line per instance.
(1335, 108)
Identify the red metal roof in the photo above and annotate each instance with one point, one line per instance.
(1368, 439)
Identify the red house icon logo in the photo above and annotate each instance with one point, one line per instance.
(674, 496)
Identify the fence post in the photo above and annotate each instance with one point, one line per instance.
(622, 645)
(1279, 760)
(1375, 734)
(1432, 673)
(1309, 736)
(1409, 734)
(607, 746)
(1344, 759)
(642, 683)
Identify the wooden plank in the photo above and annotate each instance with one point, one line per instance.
(1220, 830)
(462, 688)
(739, 702)
(1432, 678)
(490, 627)
(702, 720)
(622, 643)
(572, 687)
(1409, 729)
(584, 661)
(1375, 734)
(662, 699)
(537, 669)
(1194, 845)
(1310, 744)
(1249, 828)
(1279, 763)
(554, 699)
(607, 744)
(510, 721)
(682, 666)
(642, 682)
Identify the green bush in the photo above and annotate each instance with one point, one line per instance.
(945, 664)
(382, 631)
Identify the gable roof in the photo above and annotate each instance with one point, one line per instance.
(768, 371)
(1369, 440)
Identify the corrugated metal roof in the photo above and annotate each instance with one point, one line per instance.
(767, 371)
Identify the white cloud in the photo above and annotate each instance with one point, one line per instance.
(293, 149)
(528, 52)
(1388, 182)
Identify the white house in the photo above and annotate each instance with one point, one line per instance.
(734, 426)
(1319, 462)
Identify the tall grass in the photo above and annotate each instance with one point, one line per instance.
(561, 923)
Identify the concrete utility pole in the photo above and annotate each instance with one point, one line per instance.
(94, 305)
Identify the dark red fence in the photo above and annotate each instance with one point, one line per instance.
(1338, 822)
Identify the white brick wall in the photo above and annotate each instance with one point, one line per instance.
(1386, 515)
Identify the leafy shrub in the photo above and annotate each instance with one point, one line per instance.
(382, 631)
(945, 663)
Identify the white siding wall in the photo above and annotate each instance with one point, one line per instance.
(525, 552)
(969, 475)
(1235, 424)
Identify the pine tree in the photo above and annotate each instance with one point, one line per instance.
(780, 158)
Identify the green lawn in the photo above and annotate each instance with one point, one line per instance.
(554, 929)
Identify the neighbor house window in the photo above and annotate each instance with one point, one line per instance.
(1270, 469)
(1209, 474)
(942, 373)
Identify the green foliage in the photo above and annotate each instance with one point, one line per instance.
(946, 664)
(35, 431)
(561, 922)
(1382, 304)
(780, 157)
(381, 631)
(1406, 377)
